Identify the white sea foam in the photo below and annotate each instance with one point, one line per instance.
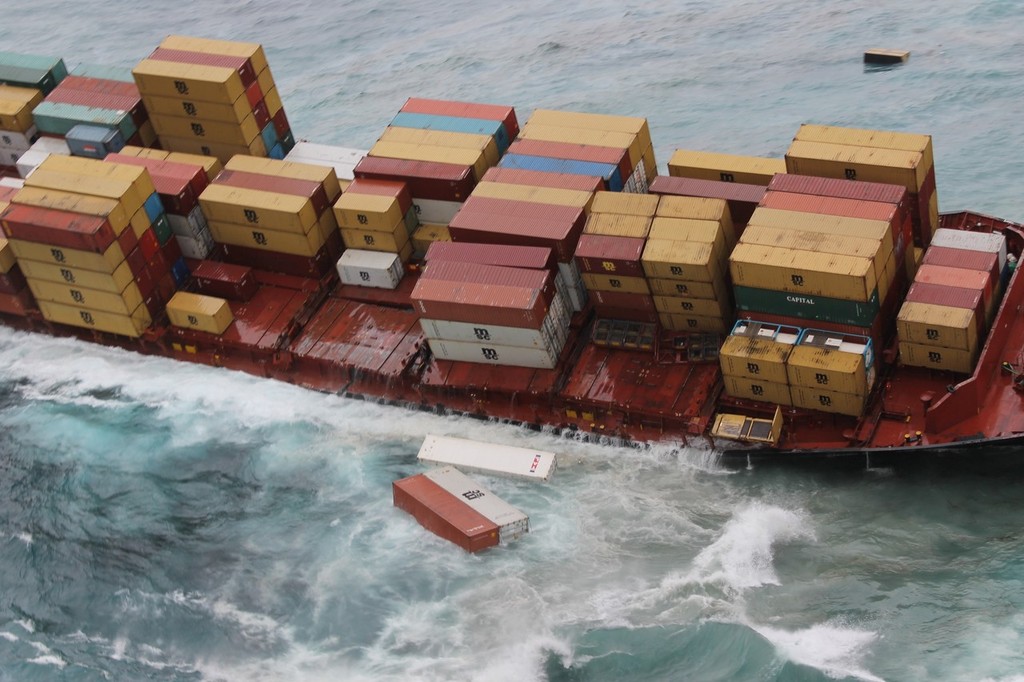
(26, 625)
(9, 636)
(833, 648)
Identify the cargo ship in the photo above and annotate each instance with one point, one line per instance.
(811, 308)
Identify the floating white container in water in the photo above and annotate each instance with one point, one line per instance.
(511, 522)
(488, 458)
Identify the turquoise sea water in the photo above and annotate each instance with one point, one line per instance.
(170, 522)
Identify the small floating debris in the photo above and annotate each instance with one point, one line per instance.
(886, 57)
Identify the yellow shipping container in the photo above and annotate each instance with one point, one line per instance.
(751, 170)
(328, 224)
(691, 230)
(211, 164)
(540, 195)
(688, 288)
(147, 133)
(159, 107)
(141, 222)
(630, 125)
(325, 175)
(105, 262)
(372, 212)
(138, 176)
(120, 191)
(858, 137)
(393, 242)
(913, 257)
(486, 144)
(126, 325)
(112, 282)
(840, 226)
(827, 401)
(428, 233)
(757, 389)
(122, 303)
(259, 209)
(220, 150)
(705, 307)
(819, 242)
(143, 152)
(575, 135)
(617, 225)
(426, 152)
(674, 259)
(650, 166)
(756, 357)
(273, 101)
(222, 132)
(625, 285)
(679, 322)
(937, 357)
(187, 81)
(194, 311)
(7, 258)
(265, 79)
(16, 105)
(821, 274)
(625, 203)
(233, 48)
(937, 325)
(111, 209)
(268, 239)
(868, 164)
(826, 368)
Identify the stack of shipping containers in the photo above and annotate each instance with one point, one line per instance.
(377, 215)
(745, 170)
(15, 297)
(275, 215)
(17, 130)
(887, 157)
(950, 306)
(753, 360)
(83, 234)
(342, 159)
(213, 97)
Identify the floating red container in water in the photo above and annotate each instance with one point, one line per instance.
(443, 514)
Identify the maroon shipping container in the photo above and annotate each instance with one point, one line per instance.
(578, 152)
(310, 189)
(101, 93)
(149, 244)
(954, 297)
(832, 187)
(607, 254)
(629, 314)
(224, 280)
(478, 273)
(620, 299)
(103, 85)
(261, 113)
(288, 264)
(17, 304)
(426, 179)
(387, 188)
(920, 203)
(959, 277)
(444, 514)
(519, 223)
(838, 206)
(192, 174)
(281, 125)
(741, 198)
(479, 303)
(536, 257)
(241, 65)
(487, 112)
(254, 94)
(12, 281)
(967, 259)
(534, 178)
(63, 228)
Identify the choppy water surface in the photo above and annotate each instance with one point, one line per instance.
(161, 521)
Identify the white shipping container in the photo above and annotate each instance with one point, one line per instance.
(194, 248)
(988, 242)
(193, 225)
(511, 522)
(51, 145)
(575, 293)
(14, 141)
(375, 269)
(343, 159)
(493, 354)
(12, 182)
(488, 458)
(469, 332)
(29, 161)
(435, 211)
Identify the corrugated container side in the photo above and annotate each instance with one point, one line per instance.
(824, 400)
(951, 257)
(511, 522)
(885, 139)
(559, 235)
(753, 170)
(870, 164)
(753, 357)
(935, 325)
(581, 152)
(471, 302)
(498, 112)
(427, 180)
(844, 188)
(443, 514)
(489, 458)
(610, 255)
(519, 176)
(972, 241)
(224, 280)
(760, 390)
(478, 273)
(493, 354)
(608, 172)
(935, 357)
(618, 225)
(536, 257)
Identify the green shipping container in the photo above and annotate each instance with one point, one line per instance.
(820, 308)
(57, 118)
(31, 71)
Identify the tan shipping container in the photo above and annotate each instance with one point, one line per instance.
(705, 307)
(625, 203)
(111, 209)
(391, 242)
(688, 288)
(625, 285)
(138, 176)
(859, 137)
(195, 311)
(819, 242)
(540, 195)
(267, 239)
(937, 325)
(258, 209)
(428, 233)
(211, 164)
(757, 389)
(867, 164)
(105, 262)
(485, 144)
(158, 78)
(122, 303)
(673, 259)
(750, 170)
(691, 230)
(937, 357)
(325, 175)
(824, 400)
(632, 125)
(803, 272)
(840, 226)
(756, 357)
(220, 150)
(679, 322)
(374, 212)
(827, 368)
(578, 135)
(143, 152)
(237, 111)
(233, 48)
(617, 225)
(126, 325)
(7, 257)
(117, 190)
(16, 105)
(432, 153)
(112, 282)
(223, 132)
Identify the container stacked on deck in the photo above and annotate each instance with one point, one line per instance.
(275, 215)
(950, 306)
(746, 170)
(888, 157)
(17, 130)
(83, 234)
(210, 314)
(15, 297)
(342, 159)
(213, 97)
(493, 304)
(753, 359)
(847, 245)
(377, 215)
(179, 186)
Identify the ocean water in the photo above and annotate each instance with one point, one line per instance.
(160, 521)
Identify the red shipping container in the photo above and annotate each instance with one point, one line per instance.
(426, 179)
(17, 304)
(487, 112)
(838, 206)
(172, 251)
(531, 224)
(479, 303)
(959, 277)
(621, 299)
(387, 188)
(253, 93)
(967, 259)
(607, 254)
(281, 126)
(741, 198)
(63, 228)
(444, 514)
(261, 113)
(12, 281)
(536, 257)
(288, 264)
(310, 189)
(149, 245)
(180, 183)
(478, 273)
(101, 93)
(224, 280)
(832, 187)
(534, 178)
(241, 65)
(578, 152)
